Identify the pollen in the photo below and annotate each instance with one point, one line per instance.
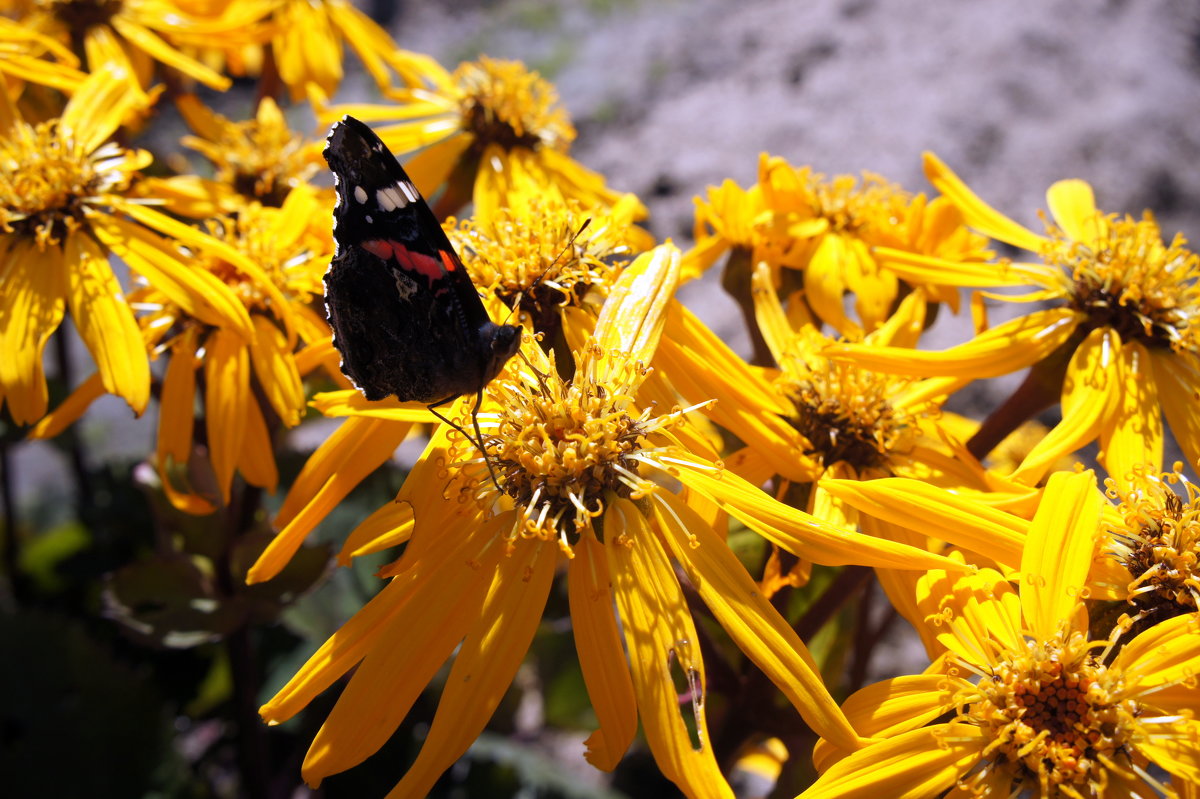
(503, 103)
(1055, 718)
(1159, 542)
(47, 180)
(539, 257)
(1128, 279)
(847, 204)
(564, 450)
(847, 414)
(259, 158)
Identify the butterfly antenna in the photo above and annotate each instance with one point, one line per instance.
(546, 271)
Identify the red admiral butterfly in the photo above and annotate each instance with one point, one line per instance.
(405, 316)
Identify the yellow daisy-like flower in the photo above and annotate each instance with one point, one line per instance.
(1123, 335)
(22, 58)
(1154, 533)
(133, 34)
(228, 371)
(850, 420)
(259, 160)
(587, 480)
(1038, 706)
(488, 131)
(842, 233)
(308, 42)
(64, 211)
(536, 256)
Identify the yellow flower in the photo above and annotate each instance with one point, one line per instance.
(537, 257)
(64, 211)
(133, 34)
(259, 159)
(1037, 705)
(848, 419)
(1154, 534)
(236, 370)
(21, 51)
(1123, 335)
(584, 480)
(308, 41)
(492, 129)
(837, 232)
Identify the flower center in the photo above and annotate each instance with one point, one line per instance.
(847, 415)
(260, 161)
(1053, 717)
(531, 256)
(1159, 543)
(46, 180)
(564, 449)
(503, 103)
(1129, 280)
(846, 204)
(81, 15)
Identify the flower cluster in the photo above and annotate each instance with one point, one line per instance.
(711, 529)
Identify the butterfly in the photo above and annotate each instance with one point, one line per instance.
(406, 318)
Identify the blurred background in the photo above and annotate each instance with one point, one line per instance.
(669, 97)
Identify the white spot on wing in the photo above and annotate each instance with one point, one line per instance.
(410, 191)
(385, 200)
(360, 194)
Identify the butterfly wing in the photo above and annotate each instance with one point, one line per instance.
(405, 316)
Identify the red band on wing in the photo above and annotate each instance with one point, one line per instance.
(410, 261)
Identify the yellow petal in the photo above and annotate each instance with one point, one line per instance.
(689, 344)
(802, 534)
(899, 704)
(1058, 551)
(256, 461)
(914, 765)
(1168, 652)
(197, 292)
(929, 270)
(633, 316)
(752, 621)
(276, 370)
(226, 394)
(344, 459)
(99, 107)
(1133, 435)
(176, 420)
(1073, 206)
(1091, 386)
(937, 513)
(1013, 345)
(402, 638)
(660, 638)
(601, 655)
(73, 407)
(105, 321)
(151, 43)
(387, 526)
(1177, 753)
(31, 308)
(976, 212)
(351, 402)
(197, 239)
(825, 283)
(431, 167)
(485, 664)
(1177, 378)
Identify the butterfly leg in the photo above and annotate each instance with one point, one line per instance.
(477, 441)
